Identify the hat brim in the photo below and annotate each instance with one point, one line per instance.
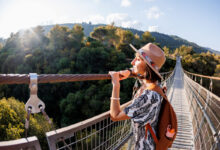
(148, 63)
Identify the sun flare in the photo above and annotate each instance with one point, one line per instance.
(24, 14)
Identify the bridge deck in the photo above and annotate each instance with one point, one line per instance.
(184, 138)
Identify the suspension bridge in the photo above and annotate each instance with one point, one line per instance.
(197, 109)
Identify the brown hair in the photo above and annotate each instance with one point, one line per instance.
(150, 75)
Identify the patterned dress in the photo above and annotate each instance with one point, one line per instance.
(144, 109)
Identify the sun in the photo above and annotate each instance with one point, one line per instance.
(24, 14)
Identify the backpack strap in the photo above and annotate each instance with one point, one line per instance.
(148, 127)
(157, 89)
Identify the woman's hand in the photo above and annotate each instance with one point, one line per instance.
(124, 74)
(115, 78)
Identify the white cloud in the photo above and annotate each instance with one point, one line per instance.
(95, 19)
(123, 20)
(154, 13)
(153, 28)
(125, 3)
(119, 19)
(116, 18)
(131, 24)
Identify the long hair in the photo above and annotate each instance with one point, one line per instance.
(150, 75)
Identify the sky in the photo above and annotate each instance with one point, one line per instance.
(197, 21)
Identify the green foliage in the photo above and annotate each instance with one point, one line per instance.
(12, 120)
(67, 51)
(99, 33)
(168, 65)
(106, 34)
(92, 60)
(1, 46)
(147, 38)
(166, 50)
(58, 37)
(204, 63)
(11, 126)
(217, 71)
(184, 50)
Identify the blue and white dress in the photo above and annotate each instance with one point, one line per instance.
(144, 109)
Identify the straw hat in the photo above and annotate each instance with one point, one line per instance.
(152, 55)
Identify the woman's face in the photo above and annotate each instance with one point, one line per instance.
(139, 66)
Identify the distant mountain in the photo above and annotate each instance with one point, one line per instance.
(171, 41)
(86, 26)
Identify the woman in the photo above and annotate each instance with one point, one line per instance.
(146, 104)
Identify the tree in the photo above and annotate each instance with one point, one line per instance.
(147, 38)
(137, 41)
(92, 60)
(11, 126)
(217, 71)
(125, 38)
(12, 119)
(99, 33)
(106, 34)
(58, 37)
(71, 108)
(1, 46)
(13, 43)
(166, 50)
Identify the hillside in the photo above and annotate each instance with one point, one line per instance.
(2, 41)
(171, 41)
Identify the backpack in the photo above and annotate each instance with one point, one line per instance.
(167, 116)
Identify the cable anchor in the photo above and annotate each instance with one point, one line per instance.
(34, 103)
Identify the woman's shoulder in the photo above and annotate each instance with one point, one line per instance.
(151, 93)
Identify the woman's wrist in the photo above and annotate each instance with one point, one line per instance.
(116, 85)
(114, 98)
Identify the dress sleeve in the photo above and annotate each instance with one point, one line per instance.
(144, 108)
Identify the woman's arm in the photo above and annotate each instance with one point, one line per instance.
(115, 112)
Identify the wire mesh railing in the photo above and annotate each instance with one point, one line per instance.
(205, 112)
(209, 82)
(168, 82)
(98, 133)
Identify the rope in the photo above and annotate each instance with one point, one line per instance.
(51, 78)
(54, 78)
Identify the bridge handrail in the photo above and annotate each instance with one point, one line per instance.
(195, 93)
(50, 78)
(67, 132)
(202, 108)
(203, 88)
(54, 78)
(30, 142)
(203, 76)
